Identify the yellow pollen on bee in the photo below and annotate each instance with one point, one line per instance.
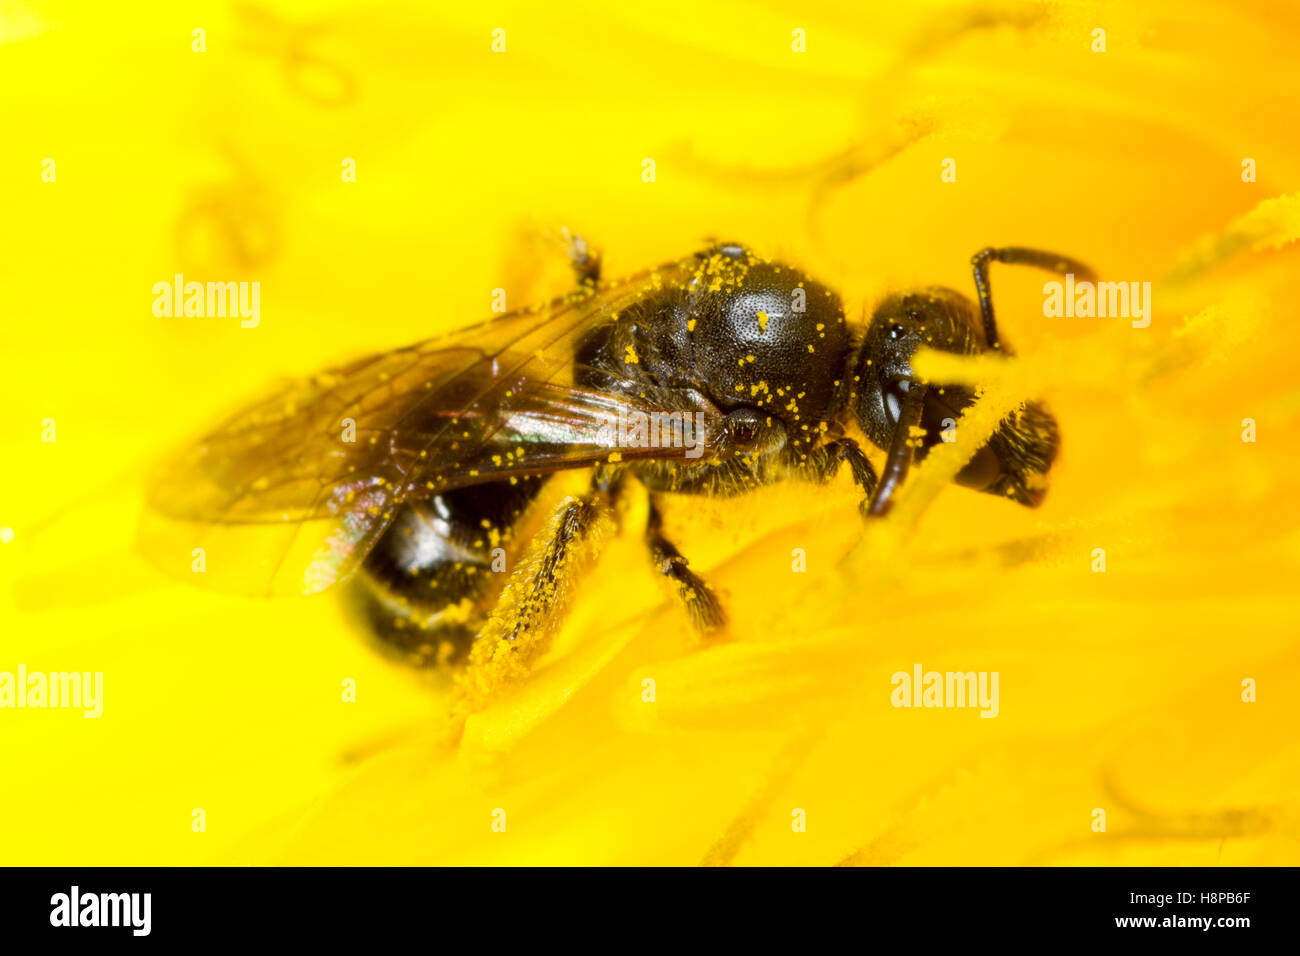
(762, 321)
(615, 457)
(631, 357)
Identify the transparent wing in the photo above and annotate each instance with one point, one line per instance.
(295, 490)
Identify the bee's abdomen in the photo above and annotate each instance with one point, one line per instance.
(426, 587)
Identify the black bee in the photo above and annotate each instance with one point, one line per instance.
(710, 375)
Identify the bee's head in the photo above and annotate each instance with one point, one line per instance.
(765, 336)
(900, 325)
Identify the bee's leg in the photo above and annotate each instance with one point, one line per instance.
(531, 606)
(1018, 255)
(701, 603)
(533, 603)
(824, 463)
(529, 261)
(902, 448)
(585, 260)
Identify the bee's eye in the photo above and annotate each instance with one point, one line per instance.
(742, 425)
(896, 330)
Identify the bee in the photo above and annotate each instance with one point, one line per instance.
(411, 473)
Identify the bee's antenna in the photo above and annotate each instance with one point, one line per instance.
(1018, 255)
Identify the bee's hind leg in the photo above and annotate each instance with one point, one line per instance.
(701, 603)
(531, 606)
(533, 602)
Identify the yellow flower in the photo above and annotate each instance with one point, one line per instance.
(876, 149)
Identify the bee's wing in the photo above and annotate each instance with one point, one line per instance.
(295, 490)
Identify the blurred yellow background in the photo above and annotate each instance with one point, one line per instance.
(1120, 691)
